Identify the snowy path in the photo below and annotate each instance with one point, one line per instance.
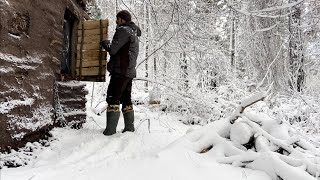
(88, 154)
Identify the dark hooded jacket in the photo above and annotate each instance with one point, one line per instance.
(124, 50)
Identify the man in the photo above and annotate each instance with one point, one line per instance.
(123, 51)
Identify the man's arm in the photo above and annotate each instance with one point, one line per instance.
(120, 38)
(106, 44)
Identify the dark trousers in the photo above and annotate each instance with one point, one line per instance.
(119, 91)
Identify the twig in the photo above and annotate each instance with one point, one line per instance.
(91, 118)
(92, 94)
(142, 122)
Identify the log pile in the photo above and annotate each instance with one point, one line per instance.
(70, 104)
(256, 141)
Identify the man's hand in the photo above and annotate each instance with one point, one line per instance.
(106, 44)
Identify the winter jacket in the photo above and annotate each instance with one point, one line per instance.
(124, 50)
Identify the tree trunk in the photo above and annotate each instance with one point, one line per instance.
(184, 72)
(296, 57)
(263, 46)
(146, 24)
(232, 40)
(117, 6)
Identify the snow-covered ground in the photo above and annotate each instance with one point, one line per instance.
(88, 154)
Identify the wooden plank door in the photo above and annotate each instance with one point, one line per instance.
(91, 57)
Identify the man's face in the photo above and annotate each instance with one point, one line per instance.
(119, 21)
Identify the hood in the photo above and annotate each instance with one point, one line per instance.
(134, 27)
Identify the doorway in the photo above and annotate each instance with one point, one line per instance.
(68, 50)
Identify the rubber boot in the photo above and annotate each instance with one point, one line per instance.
(128, 116)
(113, 115)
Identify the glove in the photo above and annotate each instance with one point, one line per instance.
(106, 44)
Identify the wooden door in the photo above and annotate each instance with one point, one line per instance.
(91, 58)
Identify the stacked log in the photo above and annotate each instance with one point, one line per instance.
(70, 104)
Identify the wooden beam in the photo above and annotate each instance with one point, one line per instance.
(91, 46)
(90, 32)
(93, 24)
(91, 71)
(91, 54)
(91, 39)
(91, 78)
(91, 63)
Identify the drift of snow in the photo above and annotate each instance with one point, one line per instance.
(88, 154)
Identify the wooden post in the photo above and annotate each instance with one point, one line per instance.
(81, 53)
(74, 48)
(100, 51)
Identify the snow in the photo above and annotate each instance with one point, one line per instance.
(271, 164)
(41, 116)
(163, 147)
(272, 126)
(72, 83)
(6, 70)
(254, 98)
(73, 113)
(14, 36)
(6, 107)
(88, 154)
(240, 133)
(19, 135)
(26, 67)
(5, 1)
(14, 59)
(279, 7)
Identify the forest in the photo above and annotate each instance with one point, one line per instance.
(205, 55)
(220, 84)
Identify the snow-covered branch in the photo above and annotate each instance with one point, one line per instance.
(245, 103)
(261, 12)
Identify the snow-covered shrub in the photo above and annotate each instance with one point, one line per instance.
(300, 110)
(207, 104)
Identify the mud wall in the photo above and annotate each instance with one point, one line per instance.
(31, 44)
